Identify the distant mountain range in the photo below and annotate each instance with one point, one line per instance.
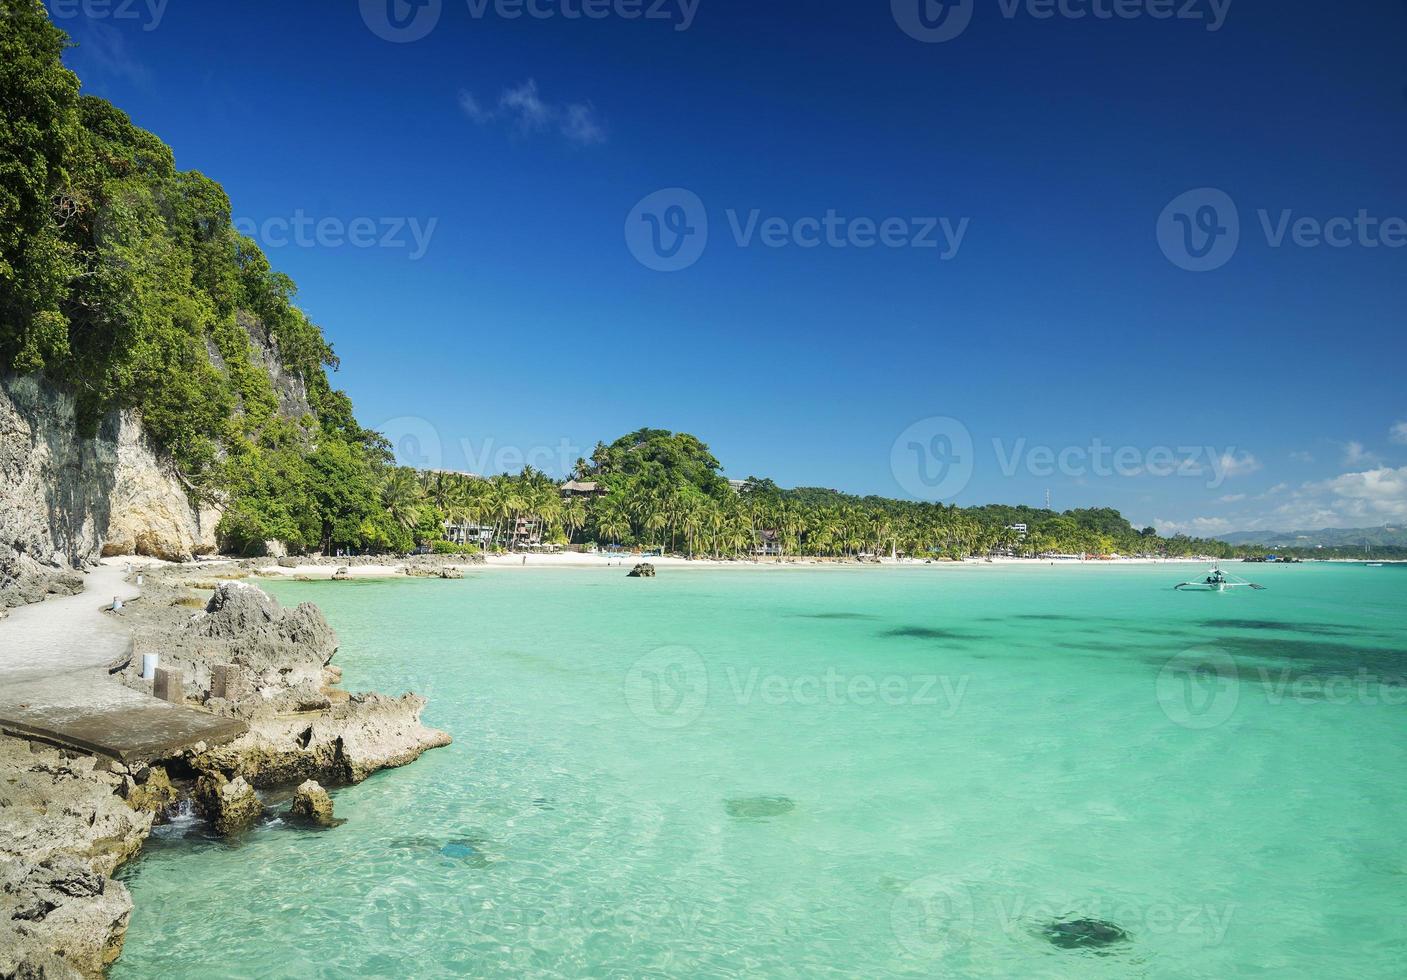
(1329, 537)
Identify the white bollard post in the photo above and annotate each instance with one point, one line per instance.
(150, 661)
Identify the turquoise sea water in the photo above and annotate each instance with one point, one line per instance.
(862, 772)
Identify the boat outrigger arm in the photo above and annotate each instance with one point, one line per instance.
(1217, 581)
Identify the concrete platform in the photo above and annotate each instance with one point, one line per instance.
(97, 715)
(55, 686)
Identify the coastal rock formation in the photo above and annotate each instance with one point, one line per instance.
(63, 831)
(149, 790)
(24, 580)
(311, 803)
(150, 512)
(344, 743)
(643, 570)
(230, 805)
(66, 499)
(245, 656)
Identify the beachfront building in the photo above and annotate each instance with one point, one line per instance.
(769, 544)
(524, 532)
(587, 489)
(465, 532)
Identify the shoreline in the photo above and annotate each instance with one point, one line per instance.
(426, 566)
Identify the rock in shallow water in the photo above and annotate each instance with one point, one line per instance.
(758, 807)
(230, 805)
(311, 803)
(1084, 934)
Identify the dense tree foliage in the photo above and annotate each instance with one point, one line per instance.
(124, 281)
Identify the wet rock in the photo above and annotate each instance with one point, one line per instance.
(642, 570)
(1084, 934)
(230, 805)
(341, 575)
(63, 830)
(154, 793)
(311, 803)
(449, 571)
(758, 807)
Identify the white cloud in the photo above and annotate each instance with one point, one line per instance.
(526, 107)
(528, 112)
(1197, 527)
(471, 108)
(1365, 498)
(1379, 494)
(1398, 433)
(580, 125)
(1354, 454)
(1233, 464)
(1302, 456)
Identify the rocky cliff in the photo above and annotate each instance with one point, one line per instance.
(65, 500)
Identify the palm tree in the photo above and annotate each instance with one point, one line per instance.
(402, 496)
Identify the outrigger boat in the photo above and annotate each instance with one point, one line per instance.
(1217, 581)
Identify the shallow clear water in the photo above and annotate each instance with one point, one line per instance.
(969, 754)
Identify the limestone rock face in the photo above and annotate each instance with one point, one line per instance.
(311, 803)
(150, 512)
(67, 499)
(642, 570)
(230, 805)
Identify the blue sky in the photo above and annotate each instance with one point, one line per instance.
(1058, 273)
